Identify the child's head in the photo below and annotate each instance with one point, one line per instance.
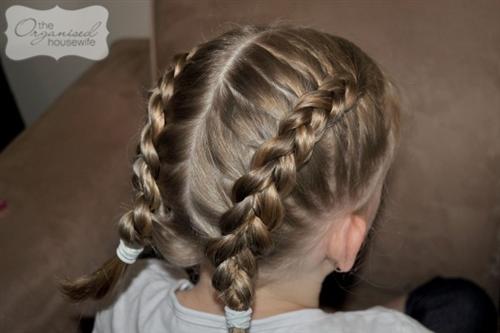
(255, 142)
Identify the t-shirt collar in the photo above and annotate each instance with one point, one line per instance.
(291, 318)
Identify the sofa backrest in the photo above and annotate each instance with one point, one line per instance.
(443, 209)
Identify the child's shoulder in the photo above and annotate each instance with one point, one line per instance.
(154, 269)
(380, 319)
(150, 276)
(144, 285)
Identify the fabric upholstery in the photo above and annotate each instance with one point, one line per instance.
(66, 180)
(443, 211)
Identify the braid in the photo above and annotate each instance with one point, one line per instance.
(257, 196)
(136, 226)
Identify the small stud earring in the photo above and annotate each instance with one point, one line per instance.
(338, 269)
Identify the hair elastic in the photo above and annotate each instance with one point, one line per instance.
(238, 319)
(126, 253)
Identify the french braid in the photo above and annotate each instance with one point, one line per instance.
(136, 226)
(257, 196)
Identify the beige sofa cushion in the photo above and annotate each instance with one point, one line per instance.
(67, 180)
(443, 211)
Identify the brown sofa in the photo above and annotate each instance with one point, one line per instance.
(67, 178)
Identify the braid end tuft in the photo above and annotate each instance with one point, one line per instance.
(94, 285)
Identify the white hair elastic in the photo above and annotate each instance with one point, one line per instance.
(238, 319)
(126, 253)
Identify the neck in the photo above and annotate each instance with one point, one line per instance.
(299, 293)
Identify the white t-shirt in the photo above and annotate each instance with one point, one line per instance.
(144, 301)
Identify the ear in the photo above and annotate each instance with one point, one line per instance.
(345, 241)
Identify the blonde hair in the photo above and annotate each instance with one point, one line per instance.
(249, 137)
